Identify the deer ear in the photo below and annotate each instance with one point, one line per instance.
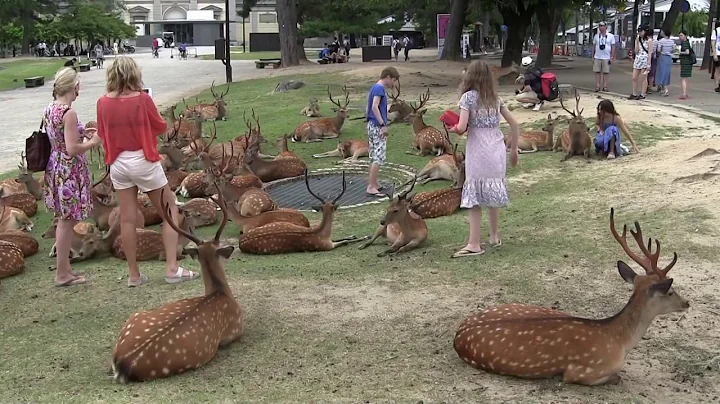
(335, 110)
(414, 215)
(549, 117)
(626, 272)
(660, 288)
(192, 252)
(225, 252)
(424, 110)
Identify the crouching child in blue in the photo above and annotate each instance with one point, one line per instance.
(609, 124)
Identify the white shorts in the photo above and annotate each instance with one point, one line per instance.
(130, 169)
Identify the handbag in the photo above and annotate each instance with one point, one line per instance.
(693, 58)
(37, 149)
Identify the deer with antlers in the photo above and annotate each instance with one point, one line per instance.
(443, 201)
(324, 128)
(283, 237)
(187, 333)
(427, 139)
(272, 170)
(398, 110)
(580, 141)
(23, 184)
(211, 112)
(348, 150)
(186, 128)
(538, 342)
(403, 229)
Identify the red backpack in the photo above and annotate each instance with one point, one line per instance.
(550, 88)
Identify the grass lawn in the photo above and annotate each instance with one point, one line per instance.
(239, 55)
(345, 325)
(12, 73)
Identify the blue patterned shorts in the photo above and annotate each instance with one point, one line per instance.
(377, 144)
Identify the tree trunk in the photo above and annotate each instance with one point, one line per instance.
(636, 15)
(517, 21)
(577, 31)
(302, 57)
(27, 32)
(548, 19)
(652, 18)
(591, 34)
(707, 55)
(287, 27)
(672, 15)
(451, 49)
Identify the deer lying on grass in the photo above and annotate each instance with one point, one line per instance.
(324, 128)
(185, 129)
(398, 110)
(536, 140)
(24, 201)
(205, 211)
(211, 112)
(282, 237)
(12, 261)
(23, 184)
(150, 215)
(106, 212)
(25, 241)
(444, 201)
(247, 223)
(96, 245)
(580, 140)
(282, 144)
(312, 110)
(439, 168)
(14, 219)
(538, 342)
(249, 201)
(427, 139)
(184, 334)
(171, 153)
(80, 230)
(150, 243)
(272, 170)
(404, 229)
(348, 150)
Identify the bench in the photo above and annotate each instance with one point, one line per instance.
(260, 64)
(84, 67)
(31, 82)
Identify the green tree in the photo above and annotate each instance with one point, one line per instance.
(692, 23)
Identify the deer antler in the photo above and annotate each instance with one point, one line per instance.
(223, 206)
(212, 89)
(455, 156)
(650, 262)
(226, 91)
(167, 216)
(393, 95)
(23, 161)
(307, 185)
(566, 110)
(404, 194)
(347, 96)
(257, 123)
(344, 187)
(107, 172)
(331, 98)
(423, 100)
(577, 103)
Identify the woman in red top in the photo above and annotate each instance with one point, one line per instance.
(129, 123)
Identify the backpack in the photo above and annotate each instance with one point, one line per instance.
(550, 88)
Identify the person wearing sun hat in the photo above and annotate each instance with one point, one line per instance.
(603, 53)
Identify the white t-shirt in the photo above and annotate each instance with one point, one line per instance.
(608, 40)
(714, 38)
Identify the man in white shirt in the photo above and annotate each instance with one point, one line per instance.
(603, 53)
(716, 54)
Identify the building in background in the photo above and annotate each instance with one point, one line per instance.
(197, 22)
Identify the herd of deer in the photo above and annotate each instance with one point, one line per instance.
(519, 340)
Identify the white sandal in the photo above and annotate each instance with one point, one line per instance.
(178, 277)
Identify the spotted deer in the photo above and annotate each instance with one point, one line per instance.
(14, 219)
(12, 261)
(283, 237)
(312, 110)
(171, 153)
(272, 170)
(218, 109)
(444, 201)
(439, 168)
(247, 223)
(205, 211)
(537, 342)
(175, 179)
(183, 334)
(150, 243)
(578, 132)
(24, 201)
(106, 212)
(96, 245)
(324, 128)
(25, 241)
(403, 229)
(427, 139)
(24, 183)
(282, 144)
(348, 150)
(80, 230)
(184, 129)
(536, 140)
(194, 186)
(398, 110)
(149, 213)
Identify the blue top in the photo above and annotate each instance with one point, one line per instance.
(324, 53)
(377, 90)
(183, 46)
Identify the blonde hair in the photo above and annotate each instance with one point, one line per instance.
(479, 77)
(124, 74)
(65, 81)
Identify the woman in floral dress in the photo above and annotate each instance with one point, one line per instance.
(485, 161)
(67, 177)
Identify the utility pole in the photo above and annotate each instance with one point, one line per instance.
(226, 61)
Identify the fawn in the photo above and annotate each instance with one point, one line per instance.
(184, 334)
(443, 201)
(348, 150)
(537, 342)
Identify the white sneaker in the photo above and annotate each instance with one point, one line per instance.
(528, 105)
(538, 106)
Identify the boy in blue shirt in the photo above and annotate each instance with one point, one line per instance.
(376, 116)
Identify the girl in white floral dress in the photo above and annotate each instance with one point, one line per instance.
(485, 161)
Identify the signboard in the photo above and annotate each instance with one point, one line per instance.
(443, 21)
(685, 7)
(387, 40)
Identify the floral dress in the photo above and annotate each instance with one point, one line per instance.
(486, 158)
(642, 58)
(67, 179)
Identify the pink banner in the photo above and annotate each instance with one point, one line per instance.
(443, 20)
